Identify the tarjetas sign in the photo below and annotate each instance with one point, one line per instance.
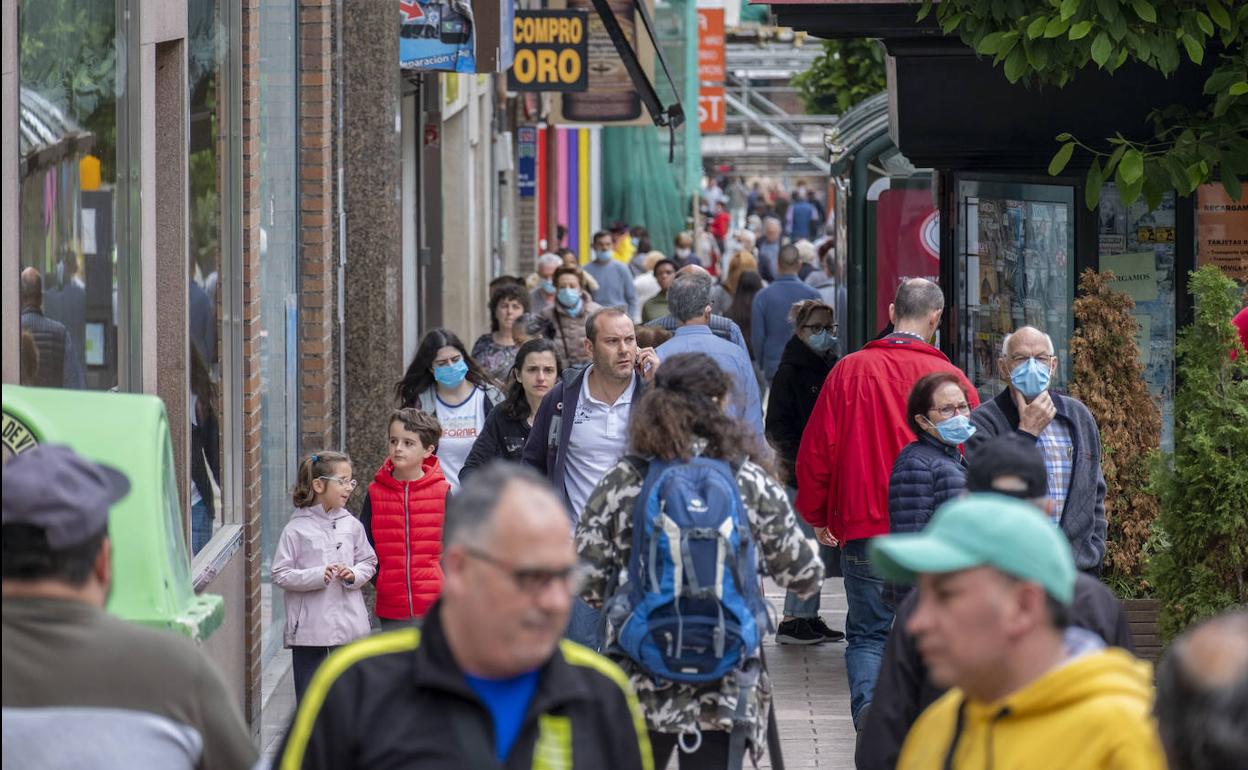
(552, 50)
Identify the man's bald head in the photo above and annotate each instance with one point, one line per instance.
(30, 288)
(1025, 336)
(917, 299)
(1202, 695)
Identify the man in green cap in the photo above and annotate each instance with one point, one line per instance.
(995, 586)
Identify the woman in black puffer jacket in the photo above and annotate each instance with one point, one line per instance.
(533, 374)
(931, 470)
(804, 365)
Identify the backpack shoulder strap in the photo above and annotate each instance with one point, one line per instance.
(639, 464)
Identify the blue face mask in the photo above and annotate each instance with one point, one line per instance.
(602, 256)
(451, 375)
(548, 286)
(956, 430)
(821, 341)
(1031, 378)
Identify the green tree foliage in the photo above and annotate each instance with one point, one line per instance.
(1050, 41)
(1203, 486)
(1109, 379)
(68, 55)
(847, 72)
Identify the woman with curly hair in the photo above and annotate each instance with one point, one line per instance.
(496, 351)
(680, 417)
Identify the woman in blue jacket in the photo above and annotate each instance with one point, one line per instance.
(930, 470)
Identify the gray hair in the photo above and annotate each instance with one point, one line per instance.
(1200, 704)
(689, 294)
(1005, 343)
(470, 512)
(917, 298)
(549, 260)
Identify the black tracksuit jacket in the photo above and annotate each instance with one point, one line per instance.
(399, 700)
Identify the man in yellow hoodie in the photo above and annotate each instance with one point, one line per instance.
(995, 584)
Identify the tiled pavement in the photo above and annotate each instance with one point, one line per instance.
(811, 695)
(812, 692)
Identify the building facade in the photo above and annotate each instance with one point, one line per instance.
(225, 205)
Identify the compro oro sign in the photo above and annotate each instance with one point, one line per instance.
(552, 51)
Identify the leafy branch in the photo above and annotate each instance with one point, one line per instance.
(1049, 41)
(847, 72)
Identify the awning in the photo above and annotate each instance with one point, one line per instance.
(861, 124)
(46, 135)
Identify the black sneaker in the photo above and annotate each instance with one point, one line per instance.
(818, 626)
(798, 631)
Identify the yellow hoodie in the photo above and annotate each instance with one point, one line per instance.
(1089, 714)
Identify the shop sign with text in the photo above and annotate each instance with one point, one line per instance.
(552, 48)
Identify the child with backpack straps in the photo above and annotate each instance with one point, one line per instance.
(673, 538)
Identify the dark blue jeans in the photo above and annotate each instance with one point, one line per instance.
(866, 625)
(583, 625)
(304, 661)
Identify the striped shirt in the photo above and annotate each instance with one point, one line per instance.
(1058, 448)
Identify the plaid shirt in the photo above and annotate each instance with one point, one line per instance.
(1058, 449)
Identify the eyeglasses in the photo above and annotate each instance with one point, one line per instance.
(532, 580)
(348, 483)
(952, 409)
(829, 328)
(1043, 358)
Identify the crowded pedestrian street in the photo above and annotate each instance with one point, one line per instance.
(624, 384)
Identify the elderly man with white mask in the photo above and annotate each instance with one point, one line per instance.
(1065, 432)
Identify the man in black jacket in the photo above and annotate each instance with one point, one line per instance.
(486, 682)
(1008, 465)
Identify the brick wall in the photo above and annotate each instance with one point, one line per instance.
(250, 221)
(316, 202)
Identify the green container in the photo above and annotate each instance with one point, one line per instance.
(151, 566)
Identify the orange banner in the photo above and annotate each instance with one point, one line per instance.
(711, 118)
(711, 45)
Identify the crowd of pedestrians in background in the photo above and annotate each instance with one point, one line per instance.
(544, 499)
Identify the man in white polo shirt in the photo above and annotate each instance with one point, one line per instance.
(581, 429)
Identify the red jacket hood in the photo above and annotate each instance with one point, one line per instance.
(431, 466)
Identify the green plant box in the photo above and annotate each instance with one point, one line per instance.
(151, 566)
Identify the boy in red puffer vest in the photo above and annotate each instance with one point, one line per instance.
(403, 516)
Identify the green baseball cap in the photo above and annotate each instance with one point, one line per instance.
(982, 530)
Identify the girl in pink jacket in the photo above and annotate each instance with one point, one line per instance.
(323, 559)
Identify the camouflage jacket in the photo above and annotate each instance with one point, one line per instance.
(604, 539)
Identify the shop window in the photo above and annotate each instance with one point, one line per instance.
(1015, 247)
(1138, 246)
(279, 282)
(213, 270)
(71, 92)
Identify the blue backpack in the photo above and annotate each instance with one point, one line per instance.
(691, 609)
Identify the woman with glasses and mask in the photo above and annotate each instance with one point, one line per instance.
(931, 470)
(807, 358)
(507, 428)
(446, 382)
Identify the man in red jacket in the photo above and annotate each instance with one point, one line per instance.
(847, 452)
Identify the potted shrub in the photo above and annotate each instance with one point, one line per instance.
(1108, 378)
(1199, 570)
